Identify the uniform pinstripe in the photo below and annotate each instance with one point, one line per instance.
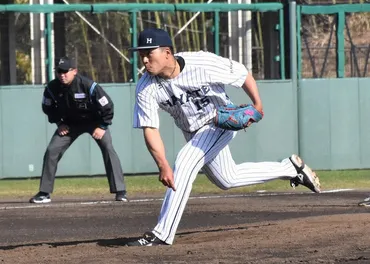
(191, 98)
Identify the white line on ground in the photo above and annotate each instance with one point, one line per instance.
(338, 190)
(257, 194)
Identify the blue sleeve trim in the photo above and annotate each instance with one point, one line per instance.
(51, 94)
(103, 127)
(92, 87)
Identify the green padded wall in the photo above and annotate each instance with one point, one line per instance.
(332, 130)
(334, 122)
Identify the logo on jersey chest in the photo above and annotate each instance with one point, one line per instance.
(198, 97)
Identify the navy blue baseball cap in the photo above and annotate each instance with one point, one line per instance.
(65, 63)
(153, 38)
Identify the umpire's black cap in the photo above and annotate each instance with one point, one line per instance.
(153, 38)
(65, 63)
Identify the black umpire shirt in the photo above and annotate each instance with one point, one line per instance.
(81, 102)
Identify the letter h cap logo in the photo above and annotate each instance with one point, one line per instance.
(149, 41)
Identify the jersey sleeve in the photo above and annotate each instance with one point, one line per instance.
(103, 103)
(146, 109)
(49, 106)
(223, 70)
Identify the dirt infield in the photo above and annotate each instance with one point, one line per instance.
(255, 228)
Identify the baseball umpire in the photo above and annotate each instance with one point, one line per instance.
(77, 105)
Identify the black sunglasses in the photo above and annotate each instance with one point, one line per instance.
(60, 71)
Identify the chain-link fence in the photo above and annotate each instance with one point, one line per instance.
(100, 41)
(15, 48)
(320, 45)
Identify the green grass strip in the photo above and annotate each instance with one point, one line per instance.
(149, 185)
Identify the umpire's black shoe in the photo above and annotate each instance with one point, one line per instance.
(148, 240)
(121, 196)
(41, 197)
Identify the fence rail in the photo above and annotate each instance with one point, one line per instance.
(128, 7)
(134, 11)
(333, 9)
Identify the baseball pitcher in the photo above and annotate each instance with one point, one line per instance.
(190, 86)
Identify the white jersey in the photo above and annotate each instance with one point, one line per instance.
(191, 97)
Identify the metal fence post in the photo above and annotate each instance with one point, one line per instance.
(293, 66)
(134, 44)
(49, 45)
(216, 32)
(299, 46)
(340, 45)
(282, 44)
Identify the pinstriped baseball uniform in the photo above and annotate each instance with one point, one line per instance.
(191, 98)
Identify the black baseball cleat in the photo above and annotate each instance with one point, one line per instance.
(148, 240)
(121, 196)
(365, 202)
(41, 197)
(306, 176)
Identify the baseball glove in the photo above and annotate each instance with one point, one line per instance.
(233, 117)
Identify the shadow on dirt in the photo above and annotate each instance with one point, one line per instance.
(101, 242)
(121, 241)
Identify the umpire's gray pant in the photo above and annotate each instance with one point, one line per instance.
(59, 144)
